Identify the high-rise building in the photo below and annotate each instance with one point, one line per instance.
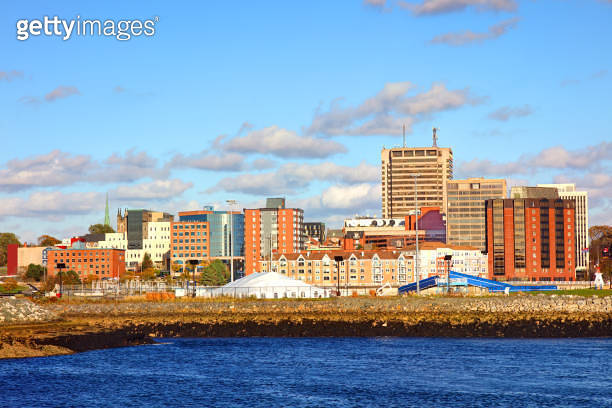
(568, 191)
(134, 223)
(465, 216)
(434, 167)
(271, 230)
(531, 239)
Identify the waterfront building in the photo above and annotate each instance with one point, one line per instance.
(270, 230)
(531, 239)
(315, 230)
(465, 216)
(358, 269)
(464, 259)
(97, 262)
(205, 235)
(581, 199)
(434, 166)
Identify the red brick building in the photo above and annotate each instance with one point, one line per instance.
(99, 262)
(269, 231)
(531, 239)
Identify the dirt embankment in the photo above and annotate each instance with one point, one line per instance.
(88, 326)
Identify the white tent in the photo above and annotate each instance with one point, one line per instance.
(267, 285)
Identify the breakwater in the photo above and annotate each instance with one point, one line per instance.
(86, 326)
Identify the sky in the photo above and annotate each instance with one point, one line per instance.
(246, 100)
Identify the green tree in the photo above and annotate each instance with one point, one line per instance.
(147, 263)
(35, 272)
(215, 274)
(100, 229)
(69, 278)
(47, 240)
(601, 237)
(6, 238)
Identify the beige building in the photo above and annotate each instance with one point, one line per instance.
(434, 165)
(568, 191)
(465, 216)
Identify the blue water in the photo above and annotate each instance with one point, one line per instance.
(314, 372)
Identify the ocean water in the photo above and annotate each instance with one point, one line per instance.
(319, 372)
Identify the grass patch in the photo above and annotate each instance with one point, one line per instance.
(587, 292)
(11, 291)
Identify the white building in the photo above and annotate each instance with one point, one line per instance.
(568, 191)
(156, 244)
(465, 259)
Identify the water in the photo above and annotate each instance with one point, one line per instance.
(314, 372)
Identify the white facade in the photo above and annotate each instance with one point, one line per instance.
(466, 260)
(156, 244)
(568, 191)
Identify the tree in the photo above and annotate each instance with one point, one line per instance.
(69, 278)
(35, 272)
(215, 274)
(147, 263)
(601, 237)
(6, 238)
(100, 229)
(48, 240)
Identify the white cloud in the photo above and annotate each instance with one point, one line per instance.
(504, 113)
(388, 110)
(470, 37)
(283, 143)
(430, 7)
(10, 75)
(292, 177)
(207, 160)
(61, 92)
(52, 205)
(155, 190)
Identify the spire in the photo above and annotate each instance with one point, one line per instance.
(106, 214)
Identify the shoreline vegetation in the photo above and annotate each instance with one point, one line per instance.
(56, 328)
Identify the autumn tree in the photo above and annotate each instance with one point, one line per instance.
(48, 240)
(147, 263)
(6, 238)
(601, 237)
(100, 229)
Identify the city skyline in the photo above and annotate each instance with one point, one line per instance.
(266, 100)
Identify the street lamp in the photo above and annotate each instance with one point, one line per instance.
(447, 263)
(337, 260)
(231, 236)
(60, 266)
(194, 264)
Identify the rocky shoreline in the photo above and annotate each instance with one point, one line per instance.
(63, 328)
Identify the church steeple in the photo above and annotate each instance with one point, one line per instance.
(106, 213)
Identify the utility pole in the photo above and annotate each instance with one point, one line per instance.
(416, 223)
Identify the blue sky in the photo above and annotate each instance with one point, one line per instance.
(212, 106)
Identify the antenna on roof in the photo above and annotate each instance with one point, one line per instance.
(404, 133)
(435, 136)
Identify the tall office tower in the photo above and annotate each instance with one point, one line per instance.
(531, 239)
(465, 216)
(434, 165)
(272, 230)
(568, 191)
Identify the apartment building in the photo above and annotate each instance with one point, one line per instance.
(465, 216)
(315, 230)
(531, 239)
(464, 259)
(581, 199)
(358, 269)
(271, 230)
(433, 168)
(97, 262)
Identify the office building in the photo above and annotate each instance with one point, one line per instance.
(133, 223)
(568, 191)
(550, 193)
(270, 230)
(531, 239)
(93, 262)
(434, 167)
(465, 216)
(205, 235)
